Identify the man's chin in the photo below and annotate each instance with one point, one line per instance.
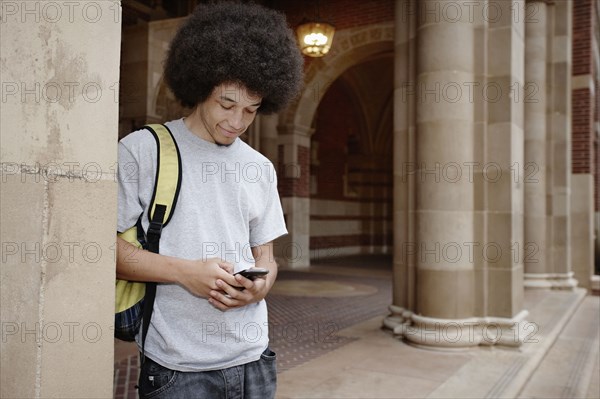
(224, 143)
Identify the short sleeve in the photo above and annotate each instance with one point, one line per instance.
(270, 224)
(128, 177)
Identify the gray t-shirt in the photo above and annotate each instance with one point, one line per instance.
(228, 203)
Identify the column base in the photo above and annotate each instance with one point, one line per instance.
(555, 281)
(459, 333)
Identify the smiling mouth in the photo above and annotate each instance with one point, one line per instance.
(229, 133)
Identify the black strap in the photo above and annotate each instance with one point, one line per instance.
(155, 228)
(164, 138)
(152, 240)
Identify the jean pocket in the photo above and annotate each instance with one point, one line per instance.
(260, 380)
(155, 379)
(268, 355)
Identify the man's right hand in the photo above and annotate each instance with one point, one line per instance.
(200, 277)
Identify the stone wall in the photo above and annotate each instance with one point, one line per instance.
(59, 115)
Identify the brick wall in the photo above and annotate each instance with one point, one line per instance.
(336, 122)
(582, 37)
(337, 125)
(582, 114)
(344, 174)
(597, 177)
(596, 72)
(585, 100)
(293, 177)
(342, 14)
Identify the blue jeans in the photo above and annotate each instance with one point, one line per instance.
(255, 380)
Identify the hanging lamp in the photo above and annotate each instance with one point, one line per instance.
(315, 37)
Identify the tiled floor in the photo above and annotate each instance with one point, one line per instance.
(569, 369)
(305, 327)
(327, 332)
(375, 365)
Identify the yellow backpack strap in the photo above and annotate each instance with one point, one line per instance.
(128, 293)
(162, 205)
(168, 174)
(166, 190)
(164, 197)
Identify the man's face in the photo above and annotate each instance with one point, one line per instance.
(227, 113)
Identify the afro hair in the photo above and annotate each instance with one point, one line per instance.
(232, 42)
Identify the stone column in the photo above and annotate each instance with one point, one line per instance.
(404, 157)
(433, 212)
(268, 136)
(585, 106)
(468, 209)
(59, 123)
(294, 179)
(444, 142)
(535, 245)
(560, 274)
(582, 228)
(503, 173)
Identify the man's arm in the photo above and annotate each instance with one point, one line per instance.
(197, 276)
(228, 297)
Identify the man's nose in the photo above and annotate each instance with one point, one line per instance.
(236, 120)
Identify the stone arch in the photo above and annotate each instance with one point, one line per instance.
(352, 47)
(385, 141)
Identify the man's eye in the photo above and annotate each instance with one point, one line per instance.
(226, 108)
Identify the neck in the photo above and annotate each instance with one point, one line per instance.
(195, 125)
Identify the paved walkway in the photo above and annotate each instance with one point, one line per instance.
(326, 328)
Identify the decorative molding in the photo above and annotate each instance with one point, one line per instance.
(351, 47)
(459, 333)
(548, 2)
(557, 281)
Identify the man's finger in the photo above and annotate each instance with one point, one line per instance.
(243, 281)
(217, 304)
(228, 296)
(228, 267)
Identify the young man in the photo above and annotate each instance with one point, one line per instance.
(208, 338)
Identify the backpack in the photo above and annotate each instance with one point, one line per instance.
(134, 301)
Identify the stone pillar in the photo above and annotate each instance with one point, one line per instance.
(445, 139)
(582, 228)
(268, 136)
(547, 230)
(135, 90)
(585, 162)
(558, 158)
(404, 157)
(535, 245)
(468, 209)
(294, 179)
(59, 123)
(145, 97)
(503, 173)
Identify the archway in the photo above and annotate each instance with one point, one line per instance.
(354, 47)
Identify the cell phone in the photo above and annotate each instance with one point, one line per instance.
(253, 273)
